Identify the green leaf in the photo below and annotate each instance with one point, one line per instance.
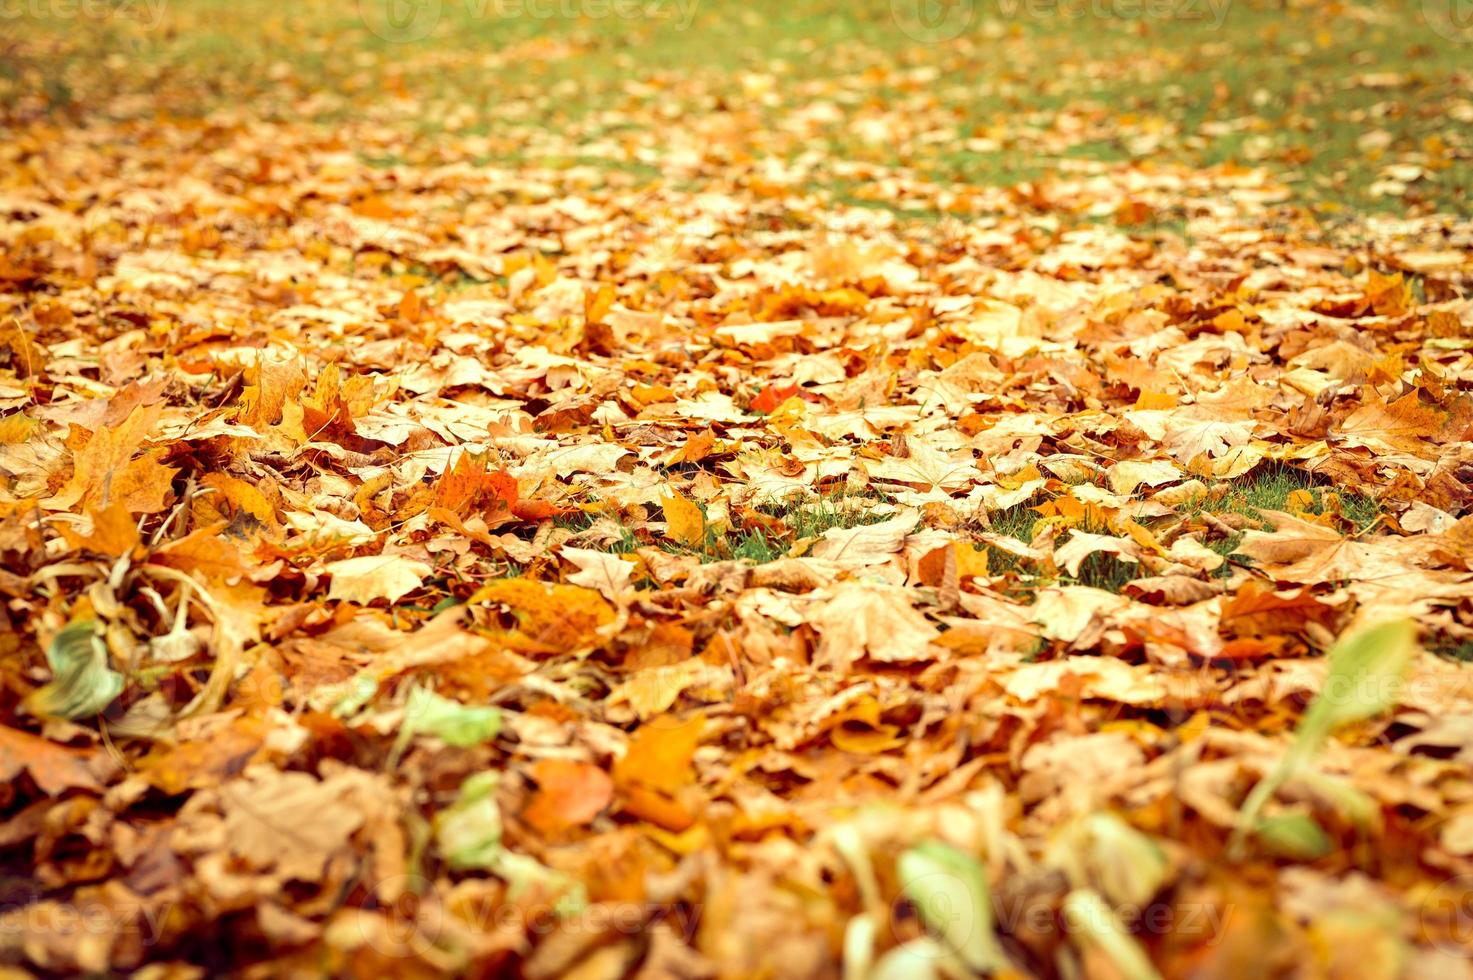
(1366, 671)
(1295, 836)
(453, 723)
(1091, 921)
(468, 836)
(361, 688)
(82, 682)
(1103, 851)
(949, 890)
(468, 832)
(915, 960)
(450, 721)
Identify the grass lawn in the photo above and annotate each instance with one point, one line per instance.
(1330, 97)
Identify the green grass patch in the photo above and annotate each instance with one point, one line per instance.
(1326, 98)
(801, 519)
(1271, 487)
(1455, 651)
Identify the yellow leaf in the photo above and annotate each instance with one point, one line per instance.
(16, 429)
(549, 618)
(971, 562)
(362, 580)
(684, 521)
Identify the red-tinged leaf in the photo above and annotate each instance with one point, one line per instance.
(55, 768)
(771, 397)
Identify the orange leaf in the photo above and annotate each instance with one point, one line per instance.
(772, 396)
(660, 753)
(469, 485)
(113, 534)
(549, 618)
(569, 794)
(204, 761)
(55, 768)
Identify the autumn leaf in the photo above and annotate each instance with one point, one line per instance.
(548, 618)
(856, 620)
(83, 683)
(772, 396)
(55, 768)
(1402, 426)
(569, 794)
(684, 522)
(362, 580)
(453, 534)
(659, 755)
(609, 574)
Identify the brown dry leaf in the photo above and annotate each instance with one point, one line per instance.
(1402, 426)
(868, 544)
(608, 574)
(854, 620)
(289, 822)
(1081, 545)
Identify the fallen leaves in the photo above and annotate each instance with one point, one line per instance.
(289, 823)
(753, 546)
(855, 621)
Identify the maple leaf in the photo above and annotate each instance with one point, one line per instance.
(106, 472)
(470, 485)
(362, 580)
(1081, 545)
(855, 620)
(1301, 551)
(866, 544)
(290, 822)
(684, 521)
(1402, 426)
(609, 574)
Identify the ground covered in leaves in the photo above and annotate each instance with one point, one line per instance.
(591, 498)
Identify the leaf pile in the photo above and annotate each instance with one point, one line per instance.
(490, 567)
